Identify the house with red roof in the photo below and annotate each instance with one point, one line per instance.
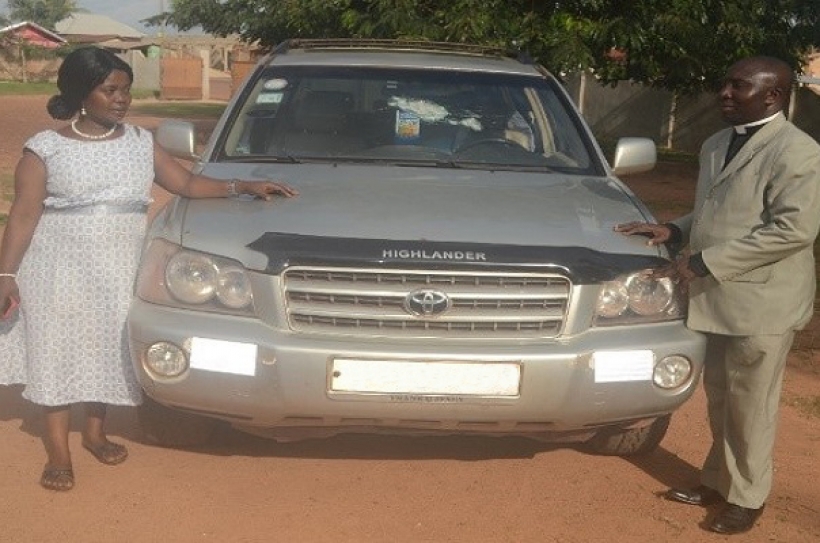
(31, 34)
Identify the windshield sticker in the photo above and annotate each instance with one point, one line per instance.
(269, 98)
(408, 126)
(275, 84)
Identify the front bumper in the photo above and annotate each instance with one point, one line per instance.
(290, 383)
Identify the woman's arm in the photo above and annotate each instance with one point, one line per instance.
(29, 194)
(174, 178)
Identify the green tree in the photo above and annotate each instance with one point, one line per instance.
(681, 45)
(46, 13)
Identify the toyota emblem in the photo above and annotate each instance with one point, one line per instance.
(426, 303)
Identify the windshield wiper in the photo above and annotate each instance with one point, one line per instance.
(279, 159)
(448, 164)
(495, 166)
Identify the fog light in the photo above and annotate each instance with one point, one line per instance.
(672, 372)
(165, 360)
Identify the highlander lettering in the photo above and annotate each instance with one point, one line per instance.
(421, 254)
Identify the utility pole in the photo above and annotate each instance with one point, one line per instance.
(162, 25)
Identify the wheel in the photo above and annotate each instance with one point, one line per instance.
(628, 442)
(172, 428)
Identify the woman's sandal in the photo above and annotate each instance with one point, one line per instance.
(108, 453)
(59, 479)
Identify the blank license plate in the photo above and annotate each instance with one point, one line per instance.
(403, 377)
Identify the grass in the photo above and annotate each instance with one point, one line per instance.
(183, 110)
(143, 94)
(671, 155)
(16, 88)
(40, 88)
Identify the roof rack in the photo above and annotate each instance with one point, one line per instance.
(410, 45)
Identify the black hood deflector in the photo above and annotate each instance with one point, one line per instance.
(580, 265)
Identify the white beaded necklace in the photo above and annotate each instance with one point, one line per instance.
(92, 136)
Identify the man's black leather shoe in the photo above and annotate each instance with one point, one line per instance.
(700, 495)
(735, 520)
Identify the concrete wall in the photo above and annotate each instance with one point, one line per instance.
(147, 73)
(36, 70)
(625, 108)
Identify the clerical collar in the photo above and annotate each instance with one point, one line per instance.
(741, 128)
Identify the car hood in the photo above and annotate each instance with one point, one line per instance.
(430, 205)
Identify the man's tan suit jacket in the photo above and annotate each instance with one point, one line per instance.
(755, 222)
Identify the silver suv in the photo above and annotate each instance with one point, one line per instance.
(448, 267)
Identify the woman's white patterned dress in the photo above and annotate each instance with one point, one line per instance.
(68, 342)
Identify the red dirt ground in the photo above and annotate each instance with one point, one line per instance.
(387, 489)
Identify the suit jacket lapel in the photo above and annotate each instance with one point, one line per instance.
(746, 153)
(717, 157)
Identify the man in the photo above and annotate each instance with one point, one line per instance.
(750, 273)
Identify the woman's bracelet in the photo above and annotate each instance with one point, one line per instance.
(12, 275)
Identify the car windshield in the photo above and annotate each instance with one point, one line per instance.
(408, 117)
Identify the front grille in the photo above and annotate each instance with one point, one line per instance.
(368, 303)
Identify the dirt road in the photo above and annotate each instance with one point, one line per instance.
(384, 489)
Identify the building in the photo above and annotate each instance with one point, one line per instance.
(31, 34)
(20, 59)
(93, 29)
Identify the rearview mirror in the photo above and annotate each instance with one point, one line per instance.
(634, 155)
(178, 138)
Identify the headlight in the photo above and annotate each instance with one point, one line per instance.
(638, 298)
(614, 299)
(173, 276)
(191, 277)
(233, 288)
(648, 296)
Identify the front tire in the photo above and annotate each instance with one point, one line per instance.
(629, 442)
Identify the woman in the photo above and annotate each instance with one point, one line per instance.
(70, 252)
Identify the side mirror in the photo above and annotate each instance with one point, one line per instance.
(634, 155)
(178, 138)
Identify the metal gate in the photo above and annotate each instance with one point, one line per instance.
(181, 78)
(239, 71)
